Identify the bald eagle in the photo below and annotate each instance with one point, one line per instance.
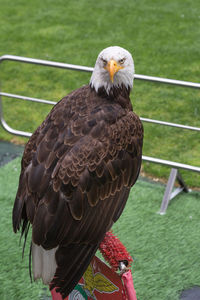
(77, 170)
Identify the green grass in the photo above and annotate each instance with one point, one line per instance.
(165, 248)
(163, 37)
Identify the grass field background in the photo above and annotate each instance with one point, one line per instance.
(165, 249)
(163, 36)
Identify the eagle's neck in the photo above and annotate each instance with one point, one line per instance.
(118, 94)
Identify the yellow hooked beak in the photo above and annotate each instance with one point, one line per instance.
(112, 67)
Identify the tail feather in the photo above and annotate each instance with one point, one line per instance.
(44, 263)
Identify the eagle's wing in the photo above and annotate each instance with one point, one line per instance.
(77, 171)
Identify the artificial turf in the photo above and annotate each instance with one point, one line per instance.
(163, 37)
(165, 248)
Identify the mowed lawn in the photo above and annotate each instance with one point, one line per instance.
(163, 37)
(165, 249)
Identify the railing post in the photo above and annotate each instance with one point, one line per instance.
(169, 195)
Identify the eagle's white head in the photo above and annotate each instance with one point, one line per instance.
(114, 67)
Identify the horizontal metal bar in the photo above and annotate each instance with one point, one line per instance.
(170, 124)
(46, 63)
(142, 119)
(90, 69)
(171, 163)
(27, 98)
(168, 81)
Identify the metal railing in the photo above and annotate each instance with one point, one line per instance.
(89, 69)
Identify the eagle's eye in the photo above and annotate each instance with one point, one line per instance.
(121, 61)
(104, 61)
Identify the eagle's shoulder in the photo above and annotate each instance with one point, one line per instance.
(57, 118)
